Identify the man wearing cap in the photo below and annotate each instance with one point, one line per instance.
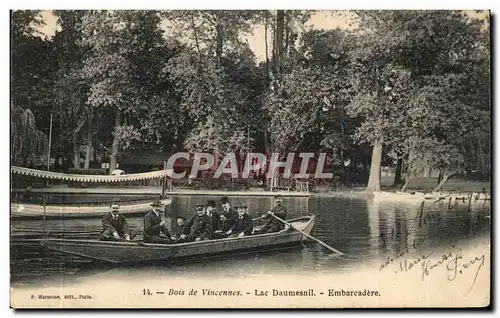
(115, 226)
(153, 226)
(228, 214)
(199, 226)
(273, 225)
(243, 223)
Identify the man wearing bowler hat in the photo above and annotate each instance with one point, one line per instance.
(154, 226)
(243, 223)
(115, 226)
(228, 215)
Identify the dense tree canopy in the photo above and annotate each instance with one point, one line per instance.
(404, 86)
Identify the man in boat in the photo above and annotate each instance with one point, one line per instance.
(115, 226)
(228, 214)
(243, 223)
(199, 226)
(273, 225)
(154, 226)
(216, 220)
(181, 226)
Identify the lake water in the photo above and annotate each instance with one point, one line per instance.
(364, 229)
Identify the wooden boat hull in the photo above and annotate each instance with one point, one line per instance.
(137, 252)
(21, 210)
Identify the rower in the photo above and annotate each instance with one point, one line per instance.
(199, 226)
(243, 223)
(228, 214)
(115, 226)
(273, 225)
(154, 226)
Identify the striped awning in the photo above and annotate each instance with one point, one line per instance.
(87, 178)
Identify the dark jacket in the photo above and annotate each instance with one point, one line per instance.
(244, 224)
(230, 218)
(216, 222)
(120, 225)
(280, 211)
(152, 226)
(199, 226)
(180, 230)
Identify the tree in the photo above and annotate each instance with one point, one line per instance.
(402, 73)
(215, 92)
(27, 142)
(123, 75)
(30, 65)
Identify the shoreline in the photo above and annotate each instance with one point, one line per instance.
(352, 192)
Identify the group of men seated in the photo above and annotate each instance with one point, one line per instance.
(205, 224)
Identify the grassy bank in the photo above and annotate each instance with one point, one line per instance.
(452, 185)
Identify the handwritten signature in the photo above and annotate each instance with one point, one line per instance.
(455, 265)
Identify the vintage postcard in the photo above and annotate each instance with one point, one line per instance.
(250, 159)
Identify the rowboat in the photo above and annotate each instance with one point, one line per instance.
(123, 253)
(23, 210)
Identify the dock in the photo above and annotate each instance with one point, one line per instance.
(157, 191)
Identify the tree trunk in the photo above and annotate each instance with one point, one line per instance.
(440, 175)
(397, 174)
(280, 29)
(267, 53)
(443, 181)
(76, 150)
(407, 182)
(427, 172)
(374, 180)
(195, 34)
(76, 156)
(287, 35)
(114, 149)
(89, 143)
(219, 37)
(342, 145)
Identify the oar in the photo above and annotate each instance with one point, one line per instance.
(309, 236)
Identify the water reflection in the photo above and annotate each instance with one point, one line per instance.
(363, 228)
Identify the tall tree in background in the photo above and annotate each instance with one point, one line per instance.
(122, 74)
(30, 88)
(74, 116)
(401, 71)
(214, 77)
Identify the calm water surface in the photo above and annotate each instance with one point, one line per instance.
(364, 229)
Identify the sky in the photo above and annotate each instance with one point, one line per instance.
(319, 20)
(326, 20)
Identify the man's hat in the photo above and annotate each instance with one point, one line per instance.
(241, 206)
(224, 200)
(200, 207)
(157, 203)
(278, 196)
(211, 203)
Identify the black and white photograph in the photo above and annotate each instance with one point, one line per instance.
(250, 158)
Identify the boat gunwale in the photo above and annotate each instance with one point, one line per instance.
(145, 202)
